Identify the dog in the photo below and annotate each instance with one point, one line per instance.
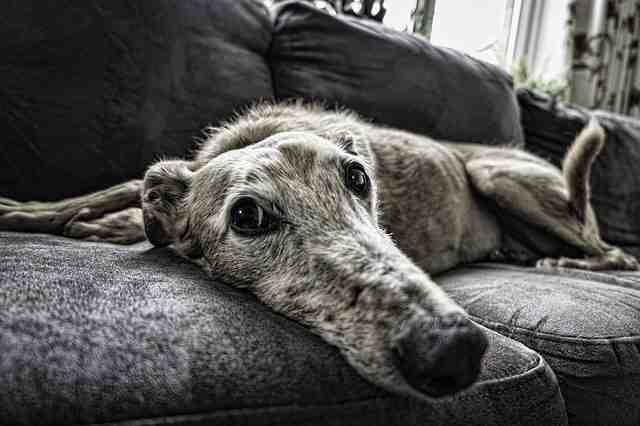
(337, 223)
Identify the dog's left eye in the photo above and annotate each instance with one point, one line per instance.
(248, 218)
(357, 179)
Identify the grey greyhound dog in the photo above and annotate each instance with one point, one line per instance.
(335, 223)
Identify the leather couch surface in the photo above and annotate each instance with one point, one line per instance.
(93, 96)
(94, 333)
(586, 325)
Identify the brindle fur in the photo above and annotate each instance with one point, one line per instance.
(352, 269)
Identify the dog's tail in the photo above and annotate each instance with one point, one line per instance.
(576, 166)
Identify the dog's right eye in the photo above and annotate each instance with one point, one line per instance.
(248, 218)
(357, 179)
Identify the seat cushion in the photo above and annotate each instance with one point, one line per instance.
(395, 78)
(93, 92)
(100, 333)
(585, 324)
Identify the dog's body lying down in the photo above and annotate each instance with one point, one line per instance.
(333, 222)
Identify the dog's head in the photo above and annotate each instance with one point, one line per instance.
(294, 219)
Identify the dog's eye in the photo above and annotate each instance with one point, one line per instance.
(357, 179)
(248, 218)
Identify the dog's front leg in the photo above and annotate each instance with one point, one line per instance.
(111, 215)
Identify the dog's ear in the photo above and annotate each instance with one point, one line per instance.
(356, 143)
(165, 187)
(345, 141)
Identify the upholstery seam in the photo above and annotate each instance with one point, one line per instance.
(600, 340)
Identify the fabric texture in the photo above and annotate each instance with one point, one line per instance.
(586, 325)
(550, 127)
(394, 78)
(92, 97)
(100, 333)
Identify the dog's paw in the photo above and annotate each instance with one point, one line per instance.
(548, 263)
(24, 217)
(8, 206)
(121, 227)
(629, 262)
(614, 260)
(8, 203)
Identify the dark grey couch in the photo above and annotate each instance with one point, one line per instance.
(95, 333)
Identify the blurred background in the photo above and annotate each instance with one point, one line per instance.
(579, 51)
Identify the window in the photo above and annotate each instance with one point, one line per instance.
(480, 28)
(502, 32)
(475, 27)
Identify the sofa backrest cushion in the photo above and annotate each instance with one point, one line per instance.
(550, 128)
(395, 78)
(92, 92)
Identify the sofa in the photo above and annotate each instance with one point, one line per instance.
(92, 93)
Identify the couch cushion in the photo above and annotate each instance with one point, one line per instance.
(94, 95)
(395, 78)
(585, 324)
(550, 128)
(101, 333)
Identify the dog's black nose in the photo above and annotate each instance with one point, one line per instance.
(439, 356)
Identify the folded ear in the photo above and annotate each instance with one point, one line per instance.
(355, 142)
(165, 187)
